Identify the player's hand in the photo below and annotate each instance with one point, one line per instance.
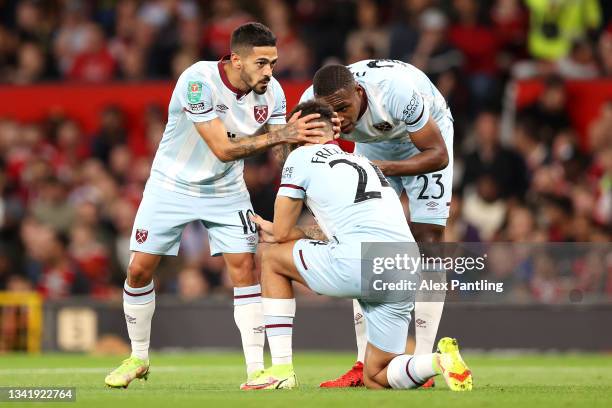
(264, 227)
(382, 165)
(336, 128)
(303, 129)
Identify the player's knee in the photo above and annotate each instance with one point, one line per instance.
(427, 233)
(139, 274)
(268, 258)
(242, 271)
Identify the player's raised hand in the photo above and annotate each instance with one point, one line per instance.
(303, 129)
(264, 228)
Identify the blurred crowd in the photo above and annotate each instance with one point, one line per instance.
(69, 198)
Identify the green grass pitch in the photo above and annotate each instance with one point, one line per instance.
(212, 380)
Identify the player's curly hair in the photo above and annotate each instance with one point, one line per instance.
(315, 106)
(332, 78)
(252, 35)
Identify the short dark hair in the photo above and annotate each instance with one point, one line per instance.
(315, 106)
(332, 78)
(252, 35)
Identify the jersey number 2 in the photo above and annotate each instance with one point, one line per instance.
(361, 194)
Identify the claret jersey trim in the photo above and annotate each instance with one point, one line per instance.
(293, 186)
(225, 79)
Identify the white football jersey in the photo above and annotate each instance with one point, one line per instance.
(184, 162)
(400, 99)
(349, 197)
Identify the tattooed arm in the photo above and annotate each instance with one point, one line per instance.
(313, 232)
(298, 130)
(280, 152)
(266, 232)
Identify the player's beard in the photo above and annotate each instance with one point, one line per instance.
(258, 87)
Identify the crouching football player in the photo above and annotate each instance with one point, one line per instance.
(353, 203)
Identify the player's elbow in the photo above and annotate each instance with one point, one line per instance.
(441, 159)
(224, 155)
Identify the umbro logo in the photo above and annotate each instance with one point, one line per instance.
(421, 323)
(259, 329)
(432, 204)
(358, 317)
(221, 108)
(130, 319)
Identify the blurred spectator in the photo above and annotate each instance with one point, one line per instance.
(226, 16)
(549, 112)
(191, 284)
(181, 61)
(433, 54)
(603, 204)
(528, 144)
(294, 60)
(557, 210)
(605, 53)
(71, 36)
(520, 226)
(481, 65)
(31, 24)
(600, 131)
(31, 65)
(580, 63)
(509, 21)
(457, 228)
(51, 206)
(556, 24)
(92, 259)
(50, 266)
(404, 36)
(370, 40)
(506, 169)
(483, 207)
(112, 133)
(94, 63)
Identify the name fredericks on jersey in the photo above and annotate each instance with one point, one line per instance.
(324, 153)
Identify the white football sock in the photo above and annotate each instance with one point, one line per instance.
(278, 316)
(360, 330)
(248, 315)
(138, 307)
(408, 371)
(427, 317)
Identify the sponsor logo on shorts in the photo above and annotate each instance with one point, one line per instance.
(261, 113)
(432, 204)
(251, 238)
(141, 235)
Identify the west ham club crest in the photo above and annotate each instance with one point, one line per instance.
(141, 235)
(261, 113)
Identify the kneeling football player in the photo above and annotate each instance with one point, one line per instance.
(353, 203)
